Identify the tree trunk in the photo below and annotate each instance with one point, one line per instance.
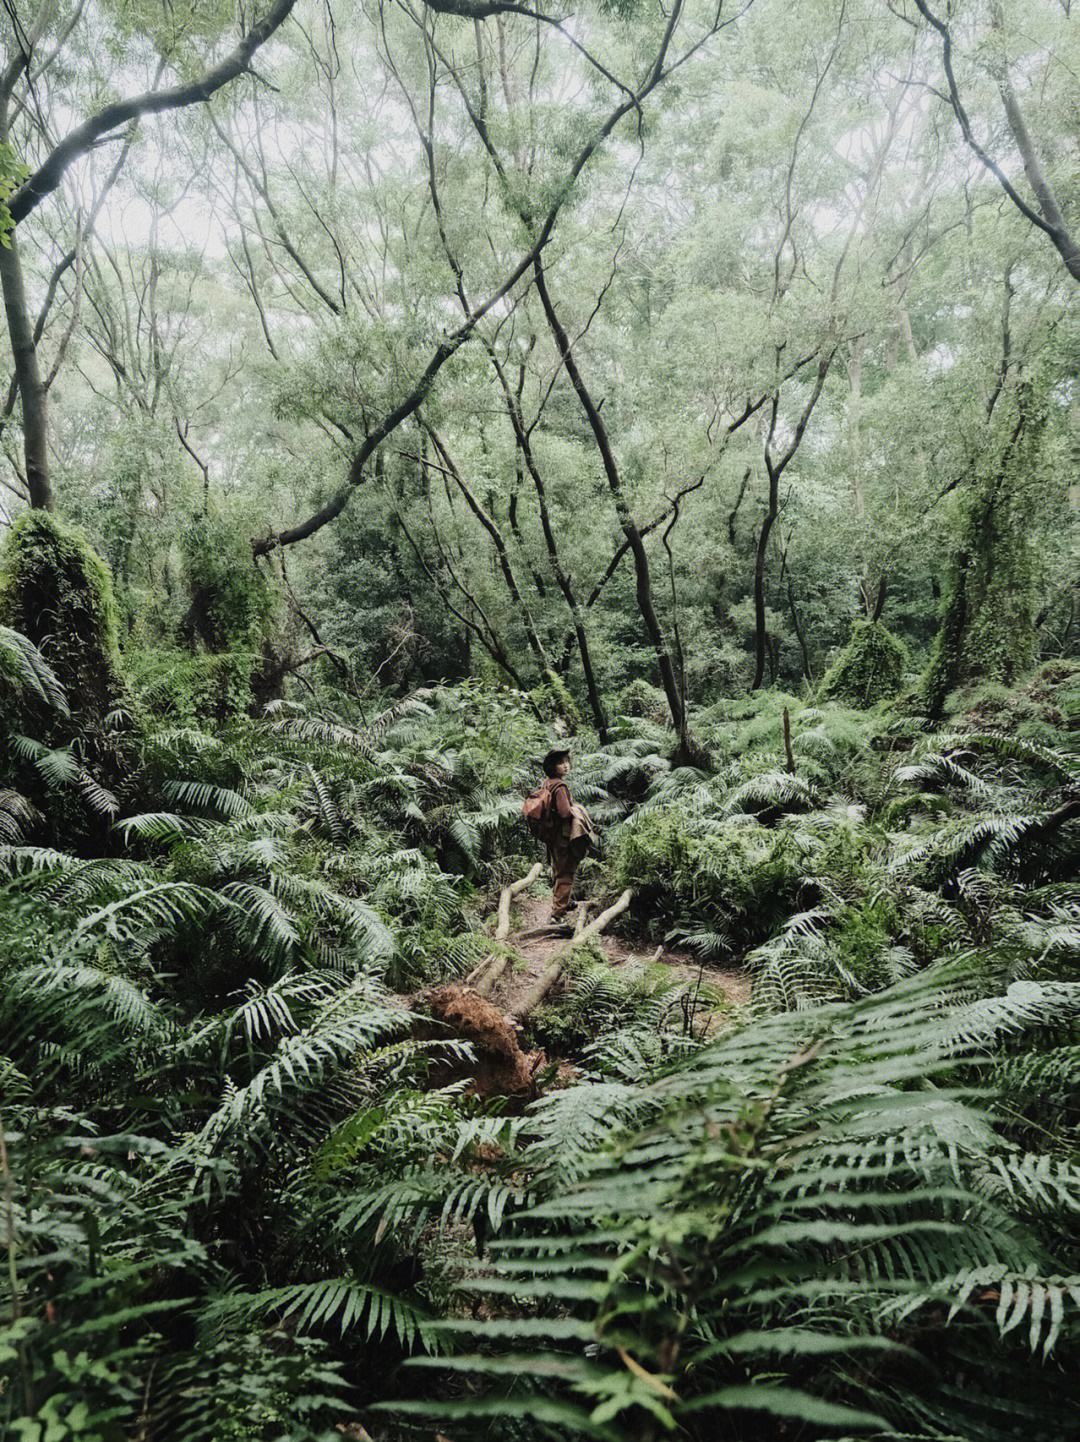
(562, 578)
(775, 466)
(1046, 215)
(789, 754)
(622, 509)
(761, 639)
(882, 594)
(536, 645)
(27, 376)
(1049, 207)
(800, 632)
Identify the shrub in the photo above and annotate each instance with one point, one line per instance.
(869, 669)
(738, 878)
(231, 601)
(641, 698)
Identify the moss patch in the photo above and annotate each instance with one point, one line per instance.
(232, 603)
(56, 589)
(869, 669)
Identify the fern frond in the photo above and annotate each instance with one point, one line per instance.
(341, 1302)
(27, 667)
(217, 800)
(17, 816)
(769, 789)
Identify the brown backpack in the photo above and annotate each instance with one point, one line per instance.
(536, 809)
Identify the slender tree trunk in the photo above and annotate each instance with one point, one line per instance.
(32, 390)
(1046, 215)
(527, 458)
(562, 580)
(775, 466)
(789, 754)
(774, 656)
(1049, 207)
(536, 645)
(539, 584)
(733, 515)
(761, 638)
(800, 632)
(882, 596)
(622, 508)
(483, 632)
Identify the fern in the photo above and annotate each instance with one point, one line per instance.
(342, 1303)
(22, 663)
(767, 790)
(17, 816)
(60, 769)
(217, 800)
(721, 1202)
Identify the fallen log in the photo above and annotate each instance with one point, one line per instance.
(484, 976)
(502, 929)
(557, 962)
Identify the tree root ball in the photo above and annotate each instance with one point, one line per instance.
(501, 1068)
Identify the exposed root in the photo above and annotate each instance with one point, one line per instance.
(502, 1068)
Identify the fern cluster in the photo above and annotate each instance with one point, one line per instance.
(243, 1182)
(817, 1219)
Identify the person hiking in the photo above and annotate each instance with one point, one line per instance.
(563, 826)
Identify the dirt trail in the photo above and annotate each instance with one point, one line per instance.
(531, 912)
(484, 1009)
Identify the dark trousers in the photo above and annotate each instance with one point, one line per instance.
(564, 864)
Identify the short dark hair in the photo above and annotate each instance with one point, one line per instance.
(552, 759)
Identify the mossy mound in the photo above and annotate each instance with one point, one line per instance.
(56, 590)
(1046, 709)
(869, 669)
(641, 699)
(231, 631)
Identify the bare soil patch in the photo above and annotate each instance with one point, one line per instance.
(532, 912)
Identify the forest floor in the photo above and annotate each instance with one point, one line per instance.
(531, 915)
(494, 1010)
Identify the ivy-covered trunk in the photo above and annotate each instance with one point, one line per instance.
(987, 630)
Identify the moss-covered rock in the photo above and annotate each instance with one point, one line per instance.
(56, 590)
(869, 669)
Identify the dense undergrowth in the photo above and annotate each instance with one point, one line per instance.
(242, 1200)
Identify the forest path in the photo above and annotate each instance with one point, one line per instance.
(531, 913)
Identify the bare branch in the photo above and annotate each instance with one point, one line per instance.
(86, 136)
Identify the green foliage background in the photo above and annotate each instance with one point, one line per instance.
(801, 1157)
